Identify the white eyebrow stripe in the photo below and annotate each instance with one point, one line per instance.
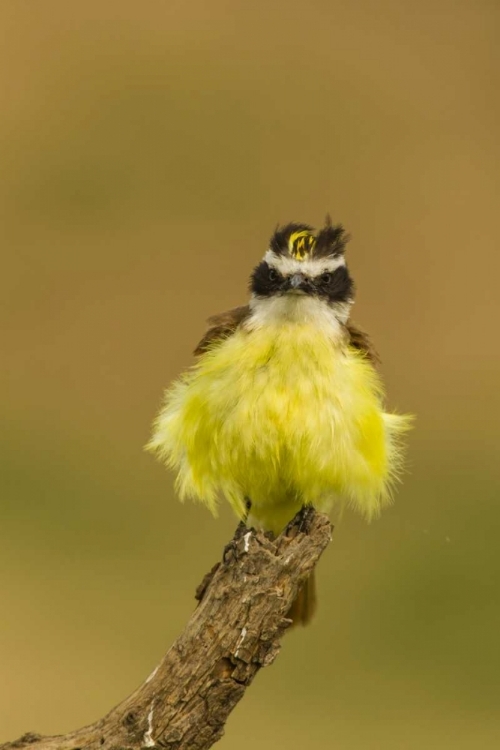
(288, 266)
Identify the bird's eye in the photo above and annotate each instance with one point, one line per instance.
(326, 278)
(273, 275)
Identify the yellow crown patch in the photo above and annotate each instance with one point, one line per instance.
(301, 245)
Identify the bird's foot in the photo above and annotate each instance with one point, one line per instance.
(301, 523)
(243, 532)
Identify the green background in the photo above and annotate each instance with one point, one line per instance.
(147, 152)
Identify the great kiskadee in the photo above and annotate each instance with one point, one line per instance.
(284, 406)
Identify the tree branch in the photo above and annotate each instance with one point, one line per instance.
(235, 630)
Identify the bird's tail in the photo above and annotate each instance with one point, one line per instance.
(303, 608)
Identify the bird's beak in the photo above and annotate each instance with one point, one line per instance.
(297, 282)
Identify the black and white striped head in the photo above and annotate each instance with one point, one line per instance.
(303, 262)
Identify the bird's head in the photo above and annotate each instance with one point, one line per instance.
(302, 262)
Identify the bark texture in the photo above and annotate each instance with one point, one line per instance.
(235, 630)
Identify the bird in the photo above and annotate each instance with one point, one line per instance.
(284, 406)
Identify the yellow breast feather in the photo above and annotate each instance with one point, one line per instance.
(285, 416)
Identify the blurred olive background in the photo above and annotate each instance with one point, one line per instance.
(148, 151)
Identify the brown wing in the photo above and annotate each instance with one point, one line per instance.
(221, 326)
(361, 341)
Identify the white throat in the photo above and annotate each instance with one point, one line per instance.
(299, 308)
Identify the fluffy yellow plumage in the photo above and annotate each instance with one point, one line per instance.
(285, 414)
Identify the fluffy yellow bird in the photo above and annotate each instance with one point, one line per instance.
(284, 407)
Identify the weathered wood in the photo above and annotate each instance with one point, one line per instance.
(235, 630)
